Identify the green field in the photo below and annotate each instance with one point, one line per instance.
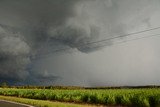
(125, 97)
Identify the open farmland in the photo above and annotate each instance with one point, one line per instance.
(149, 97)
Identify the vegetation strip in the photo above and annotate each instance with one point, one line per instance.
(124, 97)
(41, 103)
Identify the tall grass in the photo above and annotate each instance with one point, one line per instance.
(126, 97)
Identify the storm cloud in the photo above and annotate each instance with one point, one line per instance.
(43, 42)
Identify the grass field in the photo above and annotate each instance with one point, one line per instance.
(124, 97)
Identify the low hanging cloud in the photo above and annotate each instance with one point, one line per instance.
(32, 29)
(29, 26)
(13, 56)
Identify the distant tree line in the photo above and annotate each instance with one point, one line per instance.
(5, 85)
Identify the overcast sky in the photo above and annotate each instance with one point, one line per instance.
(31, 31)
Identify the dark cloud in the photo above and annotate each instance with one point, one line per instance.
(25, 32)
(30, 29)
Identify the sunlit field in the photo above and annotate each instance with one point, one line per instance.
(147, 97)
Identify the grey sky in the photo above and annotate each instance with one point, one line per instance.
(32, 29)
